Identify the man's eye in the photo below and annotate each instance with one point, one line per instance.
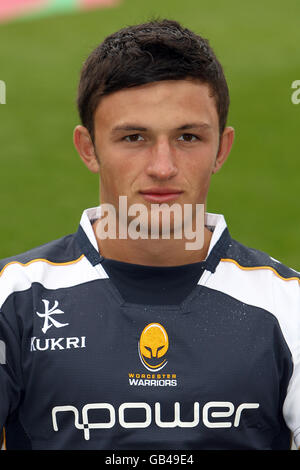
(188, 138)
(133, 138)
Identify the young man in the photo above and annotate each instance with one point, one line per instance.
(137, 342)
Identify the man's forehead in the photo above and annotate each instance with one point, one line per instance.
(160, 89)
(184, 102)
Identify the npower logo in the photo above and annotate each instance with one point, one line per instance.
(210, 411)
(153, 346)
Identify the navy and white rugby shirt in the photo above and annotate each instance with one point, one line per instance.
(85, 367)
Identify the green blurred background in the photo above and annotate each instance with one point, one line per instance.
(44, 184)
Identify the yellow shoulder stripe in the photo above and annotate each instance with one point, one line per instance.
(44, 261)
(249, 268)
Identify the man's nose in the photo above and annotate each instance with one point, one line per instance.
(162, 161)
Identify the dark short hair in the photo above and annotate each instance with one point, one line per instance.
(145, 53)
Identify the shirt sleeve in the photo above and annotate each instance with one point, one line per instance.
(10, 367)
(287, 300)
(291, 408)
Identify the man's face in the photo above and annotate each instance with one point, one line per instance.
(159, 143)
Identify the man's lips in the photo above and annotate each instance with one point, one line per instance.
(160, 194)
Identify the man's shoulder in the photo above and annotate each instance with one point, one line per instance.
(59, 251)
(250, 259)
(253, 278)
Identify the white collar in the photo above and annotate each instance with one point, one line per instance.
(215, 222)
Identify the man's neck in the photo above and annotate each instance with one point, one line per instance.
(147, 252)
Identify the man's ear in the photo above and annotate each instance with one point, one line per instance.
(85, 147)
(226, 142)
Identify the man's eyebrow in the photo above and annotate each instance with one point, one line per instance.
(137, 127)
(129, 127)
(195, 125)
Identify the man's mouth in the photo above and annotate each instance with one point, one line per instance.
(160, 195)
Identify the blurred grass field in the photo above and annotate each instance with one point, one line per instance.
(44, 184)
